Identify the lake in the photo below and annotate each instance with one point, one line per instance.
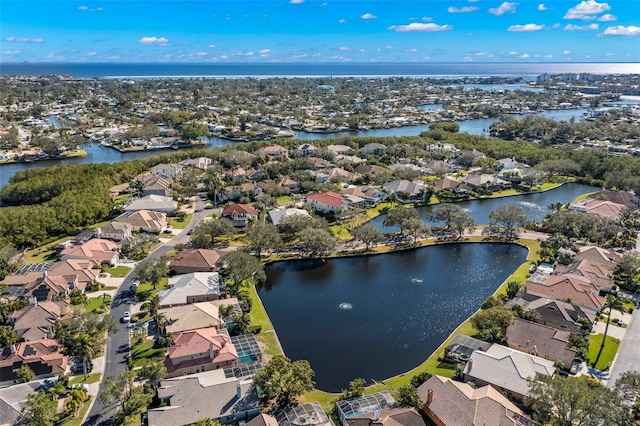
(534, 204)
(378, 316)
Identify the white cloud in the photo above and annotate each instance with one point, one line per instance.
(154, 40)
(468, 58)
(201, 54)
(542, 7)
(566, 52)
(480, 54)
(427, 19)
(548, 56)
(24, 39)
(555, 26)
(265, 51)
(323, 4)
(590, 27)
(92, 53)
(11, 52)
(212, 46)
(368, 16)
(249, 54)
(607, 17)
(464, 9)
(342, 21)
(296, 1)
(586, 10)
(621, 31)
(512, 53)
(264, 15)
(411, 50)
(417, 27)
(609, 54)
(526, 28)
(506, 7)
(344, 49)
(87, 9)
(524, 56)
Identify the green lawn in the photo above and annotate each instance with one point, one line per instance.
(608, 353)
(145, 290)
(119, 271)
(91, 378)
(98, 302)
(284, 199)
(180, 222)
(258, 314)
(144, 352)
(78, 420)
(44, 254)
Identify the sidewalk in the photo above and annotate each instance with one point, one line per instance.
(94, 388)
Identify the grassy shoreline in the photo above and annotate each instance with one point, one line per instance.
(431, 364)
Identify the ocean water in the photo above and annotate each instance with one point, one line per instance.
(238, 70)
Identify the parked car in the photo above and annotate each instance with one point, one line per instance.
(78, 367)
(126, 317)
(82, 386)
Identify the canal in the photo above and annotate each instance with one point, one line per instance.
(378, 316)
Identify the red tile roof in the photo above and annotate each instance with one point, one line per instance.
(234, 209)
(329, 198)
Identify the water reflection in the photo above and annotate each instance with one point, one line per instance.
(394, 322)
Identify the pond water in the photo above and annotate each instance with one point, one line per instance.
(378, 316)
(534, 204)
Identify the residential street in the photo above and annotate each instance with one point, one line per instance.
(117, 349)
(627, 358)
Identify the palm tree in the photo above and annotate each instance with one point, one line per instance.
(152, 306)
(75, 398)
(612, 303)
(83, 346)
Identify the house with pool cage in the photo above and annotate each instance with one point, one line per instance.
(375, 410)
(310, 414)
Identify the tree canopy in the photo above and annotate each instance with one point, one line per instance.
(282, 381)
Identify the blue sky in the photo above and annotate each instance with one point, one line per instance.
(320, 31)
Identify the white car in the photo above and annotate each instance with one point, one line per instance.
(126, 317)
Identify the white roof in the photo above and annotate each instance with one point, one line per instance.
(507, 368)
(277, 215)
(193, 284)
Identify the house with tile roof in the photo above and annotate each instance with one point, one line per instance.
(274, 151)
(338, 174)
(600, 256)
(156, 203)
(374, 148)
(114, 231)
(376, 409)
(42, 356)
(170, 170)
(336, 150)
(307, 149)
(450, 403)
(568, 288)
(191, 317)
(555, 313)
(601, 208)
(239, 214)
(49, 288)
(327, 202)
(541, 340)
(96, 249)
(370, 194)
(157, 184)
(144, 220)
(187, 399)
(199, 350)
(36, 321)
(201, 163)
(83, 269)
(263, 419)
(412, 189)
(196, 260)
(192, 288)
(486, 182)
(506, 369)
